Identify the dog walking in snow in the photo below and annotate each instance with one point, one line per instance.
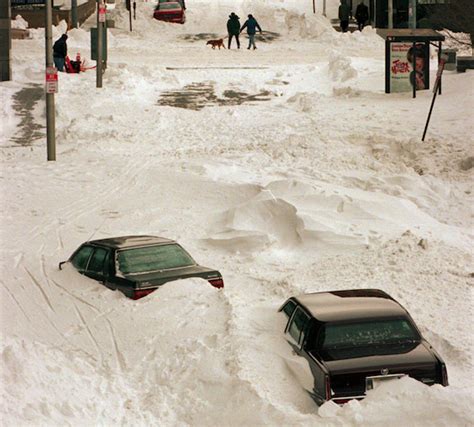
(216, 43)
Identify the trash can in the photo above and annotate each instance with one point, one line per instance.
(451, 61)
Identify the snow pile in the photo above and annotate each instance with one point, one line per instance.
(340, 68)
(19, 23)
(407, 401)
(322, 184)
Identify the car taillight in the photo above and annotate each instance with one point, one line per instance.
(328, 387)
(140, 293)
(444, 375)
(217, 283)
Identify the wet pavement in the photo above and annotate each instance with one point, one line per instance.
(265, 37)
(24, 102)
(196, 96)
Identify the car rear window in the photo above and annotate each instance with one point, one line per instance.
(164, 6)
(152, 258)
(379, 332)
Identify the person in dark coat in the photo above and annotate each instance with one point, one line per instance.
(60, 52)
(361, 15)
(344, 14)
(252, 25)
(233, 29)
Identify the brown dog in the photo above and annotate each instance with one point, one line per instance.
(216, 43)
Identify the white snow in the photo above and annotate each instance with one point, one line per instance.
(324, 185)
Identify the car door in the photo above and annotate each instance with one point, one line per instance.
(97, 267)
(295, 333)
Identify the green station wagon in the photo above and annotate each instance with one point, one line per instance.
(138, 265)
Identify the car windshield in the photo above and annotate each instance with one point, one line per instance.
(373, 333)
(152, 258)
(164, 6)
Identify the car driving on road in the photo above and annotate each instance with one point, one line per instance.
(348, 342)
(138, 265)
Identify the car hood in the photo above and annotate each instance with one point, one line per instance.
(159, 277)
(399, 356)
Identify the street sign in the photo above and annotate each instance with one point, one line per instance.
(51, 80)
(102, 12)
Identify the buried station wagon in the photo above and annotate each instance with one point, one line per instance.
(348, 342)
(138, 265)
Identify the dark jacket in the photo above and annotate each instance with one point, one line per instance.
(60, 47)
(362, 13)
(233, 25)
(344, 12)
(251, 25)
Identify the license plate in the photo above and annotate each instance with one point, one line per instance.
(371, 383)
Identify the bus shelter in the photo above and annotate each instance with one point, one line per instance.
(407, 58)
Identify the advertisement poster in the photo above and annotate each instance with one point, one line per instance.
(403, 73)
(400, 68)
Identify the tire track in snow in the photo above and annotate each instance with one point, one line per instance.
(118, 354)
(88, 330)
(75, 296)
(12, 295)
(42, 291)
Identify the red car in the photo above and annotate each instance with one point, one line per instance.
(170, 11)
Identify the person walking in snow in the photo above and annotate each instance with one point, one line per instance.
(60, 52)
(361, 15)
(233, 29)
(344, 14)
(252, 25)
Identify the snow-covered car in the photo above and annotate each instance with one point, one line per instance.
(348, 342)
(138, 265)
(170, 11)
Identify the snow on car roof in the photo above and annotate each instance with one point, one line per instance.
(131, 241)
(357, 304)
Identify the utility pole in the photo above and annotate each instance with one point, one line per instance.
(412, 14)
(74, 13)
(390, 14)
(324, 7)
(314, 6)
(5, 41)
(100, 19)
(50, 113)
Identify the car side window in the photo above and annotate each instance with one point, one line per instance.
(97, 263)
(297, 324)
(288, 308)
(81, 257)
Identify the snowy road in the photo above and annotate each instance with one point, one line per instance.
(322, 185)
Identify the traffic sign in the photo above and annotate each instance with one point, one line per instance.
(102, 12)
(51, 80)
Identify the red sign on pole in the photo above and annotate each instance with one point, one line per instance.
(102, 12)
(51, 80)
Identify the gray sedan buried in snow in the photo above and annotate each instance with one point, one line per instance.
(138, 265)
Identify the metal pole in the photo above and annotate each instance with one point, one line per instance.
(414, 69)
(390, 14)
(130, 16)
(99, 50)
(314, 6)
(5, 42)
(74, 13)
(50, 113)
(324, 7)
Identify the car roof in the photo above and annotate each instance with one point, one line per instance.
(130, 241)
(355, 304)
